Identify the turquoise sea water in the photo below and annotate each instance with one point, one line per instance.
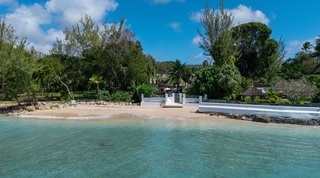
(129, 146)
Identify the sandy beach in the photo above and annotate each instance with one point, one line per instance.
(87, 110)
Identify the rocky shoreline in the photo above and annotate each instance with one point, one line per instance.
(270, 119)
(21, 109)
(24, 108)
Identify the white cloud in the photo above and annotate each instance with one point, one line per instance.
(196, 16)
(242, 14)
(35, 21)
(196, 40)
(295, 46)
(26, 20)
(199, 56)
(7, 2)
(72, 10)
(154, 2)
(53, 34)
(176, 26)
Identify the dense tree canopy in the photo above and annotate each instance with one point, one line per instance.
(90, 57)
(17, 65)
(295, 90)
(109, 60)
(111, 53)
(258, 50)
(304, 63)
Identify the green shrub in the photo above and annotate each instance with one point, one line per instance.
(281, 101)
(103, 95)
(256, 99)
(146, 89)
(247, 99)
(64, 96)
(119, 96)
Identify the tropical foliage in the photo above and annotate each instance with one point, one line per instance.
(295, 90)
(178, 74)
(109, 60)
(217, 41)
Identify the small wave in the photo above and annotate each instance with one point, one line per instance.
(67, 118)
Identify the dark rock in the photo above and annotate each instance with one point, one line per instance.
(261, 118)
(37, 107)
(270, 119)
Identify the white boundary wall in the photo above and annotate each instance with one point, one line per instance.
(277, 111)
(158, 101)
(152, 101)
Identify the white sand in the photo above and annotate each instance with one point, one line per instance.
(85, 110)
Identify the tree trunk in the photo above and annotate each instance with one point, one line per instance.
(71, 95)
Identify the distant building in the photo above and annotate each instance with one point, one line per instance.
(256, 89)
(262, 87)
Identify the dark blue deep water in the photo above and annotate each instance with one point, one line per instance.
(156, 147)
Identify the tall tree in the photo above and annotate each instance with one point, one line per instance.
(111, 52)
(316, 54)
(7, 43)
(304, 63)
(258, 50)
(49, 68)
(317, 48)
(18, 65)
(272, 72)
(217, 41)
(306, 47)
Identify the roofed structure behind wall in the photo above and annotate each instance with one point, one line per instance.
(252, 91)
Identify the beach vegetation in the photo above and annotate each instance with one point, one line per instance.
(96, 80)
(258, 50)
(103, 95)
(296, 90)
(117, 96)
(229, 79)
(107, 62)
(120, 96)
(272, 95)
(206, 83)
(218, 82)
(178, 75)
(18, 65)
(147, 90)
(108, 57)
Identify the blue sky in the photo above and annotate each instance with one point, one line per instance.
(167, 29)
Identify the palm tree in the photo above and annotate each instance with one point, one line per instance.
(178, 74)
(96, 79)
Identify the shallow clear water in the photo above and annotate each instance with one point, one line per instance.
(156, 147)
